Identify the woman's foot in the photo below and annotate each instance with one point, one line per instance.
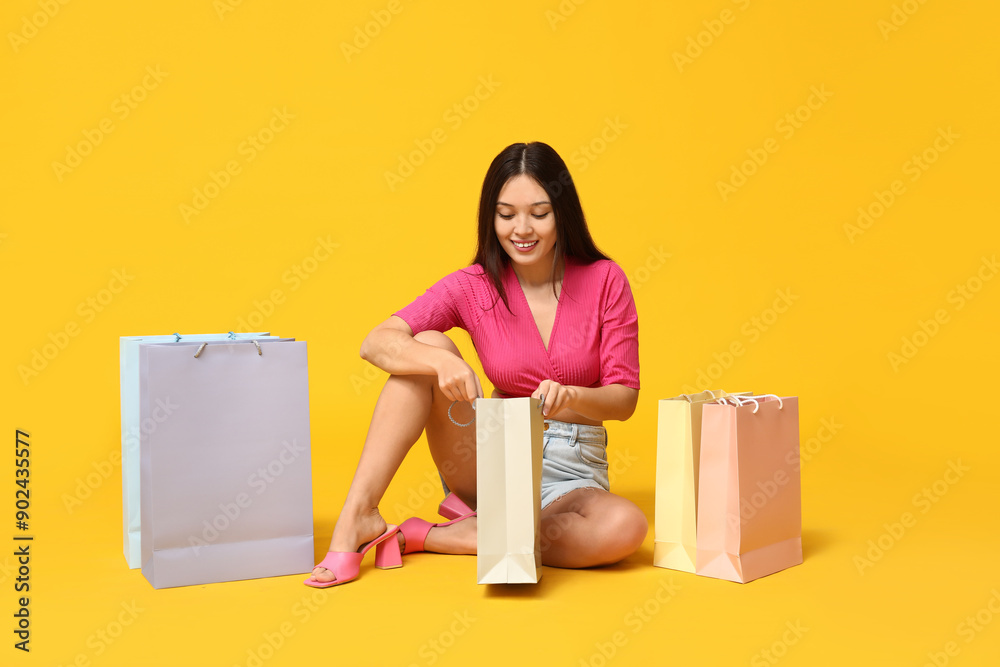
(452, 538)
(351, 534)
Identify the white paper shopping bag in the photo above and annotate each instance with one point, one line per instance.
(509, 490)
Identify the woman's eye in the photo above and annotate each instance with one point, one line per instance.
(534, 215)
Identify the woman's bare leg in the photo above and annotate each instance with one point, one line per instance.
(407, 405)
(589, 527)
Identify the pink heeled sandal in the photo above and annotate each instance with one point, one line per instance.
(415, 530)
(346, 565)
(452, 507)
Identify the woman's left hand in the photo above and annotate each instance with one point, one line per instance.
(557, 397)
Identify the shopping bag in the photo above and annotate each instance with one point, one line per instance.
(225, 482)
(509, 490)
(678, 447)
(132, 425)
(749, 493)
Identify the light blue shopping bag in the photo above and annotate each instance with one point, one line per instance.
(132, 427)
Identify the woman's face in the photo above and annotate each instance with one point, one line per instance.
(525, 222)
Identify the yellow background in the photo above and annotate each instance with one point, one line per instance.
(599, 76)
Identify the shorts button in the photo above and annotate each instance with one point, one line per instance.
(545, 427)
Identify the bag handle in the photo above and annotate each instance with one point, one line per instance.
(690, 397)
(541, 399)
(201, 348)
(743, 400)
(177, 336)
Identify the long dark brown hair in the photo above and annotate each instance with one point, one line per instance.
(541, 162)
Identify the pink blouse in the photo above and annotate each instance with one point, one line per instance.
(594, 340)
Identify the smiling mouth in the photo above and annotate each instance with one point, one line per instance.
(524, 245)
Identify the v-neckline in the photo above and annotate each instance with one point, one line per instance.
(527, 306)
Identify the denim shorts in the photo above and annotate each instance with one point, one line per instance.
(574, 456)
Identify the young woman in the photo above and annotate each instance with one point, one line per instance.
(549, 315)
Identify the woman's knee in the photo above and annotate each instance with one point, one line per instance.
(437, 339)
(624, 528)
(603, 528)
(633, 525)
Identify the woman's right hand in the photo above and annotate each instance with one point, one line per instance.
(456, 378)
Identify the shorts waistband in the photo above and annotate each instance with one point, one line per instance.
(576, 431)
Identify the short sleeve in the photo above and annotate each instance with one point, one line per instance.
(619, 332)
(447, 304)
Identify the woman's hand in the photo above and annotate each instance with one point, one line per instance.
(456, 378)
(557, 396)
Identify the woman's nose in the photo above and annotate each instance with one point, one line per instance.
(522, 225)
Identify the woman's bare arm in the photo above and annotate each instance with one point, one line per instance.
(392, 347)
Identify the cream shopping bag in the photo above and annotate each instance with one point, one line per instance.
(509, 490)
